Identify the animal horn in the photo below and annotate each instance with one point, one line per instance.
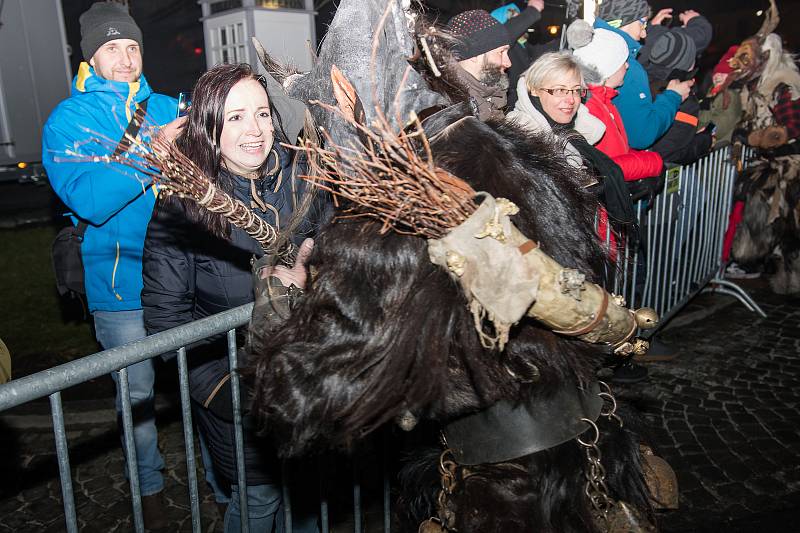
(771, 20)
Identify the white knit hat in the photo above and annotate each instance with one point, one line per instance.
(602, 54)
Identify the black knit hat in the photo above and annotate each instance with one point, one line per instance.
(619, 13)
(103, 22)
(673, 50)
(478, 32)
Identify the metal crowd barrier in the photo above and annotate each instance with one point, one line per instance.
(52, 381)
(681, 240)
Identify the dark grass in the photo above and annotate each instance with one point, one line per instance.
(40, 329)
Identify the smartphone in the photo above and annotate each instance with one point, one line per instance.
(712, 128)
(184, 103)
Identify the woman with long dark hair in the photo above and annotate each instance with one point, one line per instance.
(197, 264)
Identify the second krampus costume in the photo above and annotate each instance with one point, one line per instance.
(770, 187)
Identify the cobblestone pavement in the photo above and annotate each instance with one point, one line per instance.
(724, 414)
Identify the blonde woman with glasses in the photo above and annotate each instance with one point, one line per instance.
(549, 96)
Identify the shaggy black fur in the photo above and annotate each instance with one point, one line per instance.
(383, 330)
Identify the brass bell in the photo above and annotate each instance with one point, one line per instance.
(661, 480)
(646, 317)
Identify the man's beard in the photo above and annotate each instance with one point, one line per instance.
(494, 77)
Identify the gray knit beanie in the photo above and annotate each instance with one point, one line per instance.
(103, 22)
(673, 50)
(619, 13)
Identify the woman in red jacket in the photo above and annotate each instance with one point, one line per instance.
(605, 60)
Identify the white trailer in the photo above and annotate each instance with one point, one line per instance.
(284, 27)
(34, 77)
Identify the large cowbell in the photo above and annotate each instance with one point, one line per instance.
(376, 72)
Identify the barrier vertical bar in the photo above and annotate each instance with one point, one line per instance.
(719, 182)
(636, 273)
(323, 497)
(130, 450)
(677, 241)
(668, 230)
(238, 434)
(681, 237)
(707, 228)
(625, 266)
(729, 171)
(62, 452)
(658, 248)
(697, 251)
(648, 268)
(188, 439)
(387, 501)
(356, 498)
(711, 208)
(287, 497)
(688, 244)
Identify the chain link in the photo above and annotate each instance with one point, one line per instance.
(595, 487)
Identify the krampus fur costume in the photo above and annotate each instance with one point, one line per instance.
(383, 334)
(770, 187)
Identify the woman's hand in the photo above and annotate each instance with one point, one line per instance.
(298, 274)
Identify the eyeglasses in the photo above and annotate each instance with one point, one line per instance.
(561, 93)
(643, 22)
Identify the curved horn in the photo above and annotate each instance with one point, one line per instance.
(771, 20)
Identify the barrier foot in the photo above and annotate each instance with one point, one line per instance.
(732, 289)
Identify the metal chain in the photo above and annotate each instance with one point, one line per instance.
(447, 478)
(595, 487)
(609, 409)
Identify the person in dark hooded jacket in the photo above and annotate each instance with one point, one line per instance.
(671, 53)
(197, 264)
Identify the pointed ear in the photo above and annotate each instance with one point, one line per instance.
(346, 96)
(262, 54)
(291, 110)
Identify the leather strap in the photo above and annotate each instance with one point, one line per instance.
(505, 431)
(132, 130)
(527, 246)
(598, 316)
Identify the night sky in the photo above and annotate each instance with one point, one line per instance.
(174, 48)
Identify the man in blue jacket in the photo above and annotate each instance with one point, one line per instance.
(115, 202)
(645, 119)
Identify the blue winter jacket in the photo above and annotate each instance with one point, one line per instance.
(645, 119)
(113, 199)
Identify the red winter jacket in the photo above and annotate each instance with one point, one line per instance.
(635, 164)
